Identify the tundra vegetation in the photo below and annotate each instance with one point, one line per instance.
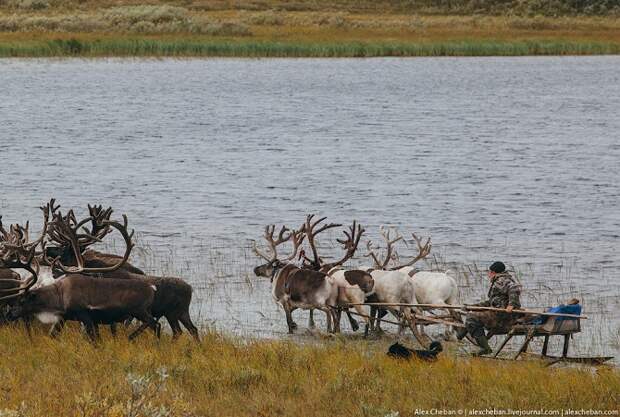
(301, 28)
(232, 377)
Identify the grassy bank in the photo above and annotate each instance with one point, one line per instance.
(225, 377)
(209, 48)
(300, 29)
(188, 48)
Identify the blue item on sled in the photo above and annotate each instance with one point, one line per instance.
(561, 309)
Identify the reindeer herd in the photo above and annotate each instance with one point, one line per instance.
(313, 283)
(58, 277)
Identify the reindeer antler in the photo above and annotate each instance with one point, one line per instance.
(283, 236)
(18, 238)
(349, 244)
(311, 233)
(297, 237)
(16, 251)
(423, 251)
(63, 230)
(389, 242)
(99, 229)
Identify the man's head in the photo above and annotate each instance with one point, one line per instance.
(496, 268)
(573, 301)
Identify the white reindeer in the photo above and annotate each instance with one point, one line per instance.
(428, 287)
(394, 287)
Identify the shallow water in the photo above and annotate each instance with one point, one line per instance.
(497, 158)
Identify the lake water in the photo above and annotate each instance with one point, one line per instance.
(497, 158)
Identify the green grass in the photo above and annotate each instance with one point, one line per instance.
(193, 48)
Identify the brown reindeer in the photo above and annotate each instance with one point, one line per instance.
(304, 287)
(9, 280)
(18, 236)
(173, 296)
(294, 287)
(75, 296)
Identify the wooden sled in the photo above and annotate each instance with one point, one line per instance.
(554, 326)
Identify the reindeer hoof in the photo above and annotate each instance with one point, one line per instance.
(293, 325)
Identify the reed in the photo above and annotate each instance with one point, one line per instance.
(209, 48)
(231, 377)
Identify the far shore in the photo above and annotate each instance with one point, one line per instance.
(175, 31)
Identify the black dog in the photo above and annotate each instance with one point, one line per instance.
(399, 351)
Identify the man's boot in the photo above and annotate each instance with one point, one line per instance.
(461, 333)
(485, 349)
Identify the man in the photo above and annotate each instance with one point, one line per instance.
(504, 293)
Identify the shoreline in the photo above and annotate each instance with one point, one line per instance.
(141, 47)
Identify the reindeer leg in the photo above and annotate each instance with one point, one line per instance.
(337, 314)
(330, 315)
(147, 321)
(56, 328)
(311, 323)
(175, 326)
(330, 320)
(186, 320)
(368, 319)
(422, 338)
(289, 319)
(28, 325)
(379, 315)
(91, 327)
(139, 330)
(402, 319)
(354, 323)
(113, 329)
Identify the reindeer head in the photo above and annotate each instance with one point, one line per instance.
(71, 238)
(269, 269)
(362, 279)
(62, 248)
(17, 251)
(26, 305)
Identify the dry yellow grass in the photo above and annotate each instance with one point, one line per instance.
(229, 377)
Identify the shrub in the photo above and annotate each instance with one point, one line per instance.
(337, 20)
(127, 16)
(28, 4)
(269, 18)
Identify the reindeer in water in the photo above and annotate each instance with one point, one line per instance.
(355, 285)
(428, 287)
